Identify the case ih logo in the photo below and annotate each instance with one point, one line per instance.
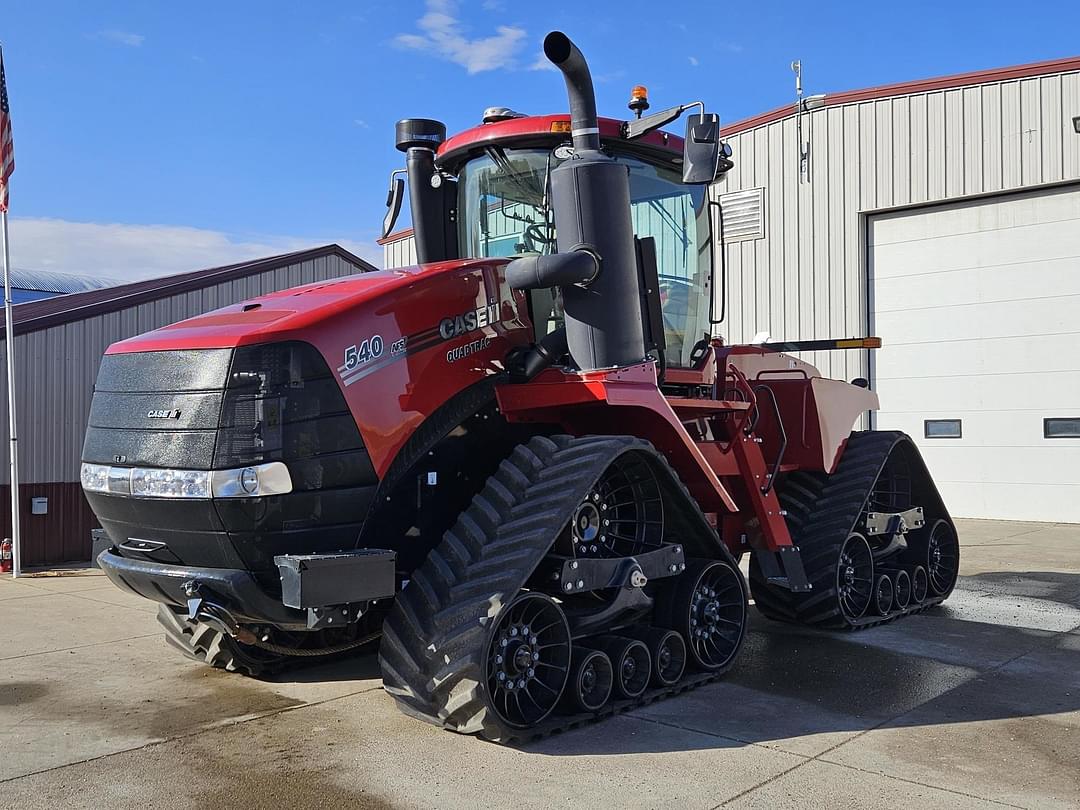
(170, 413)
(468, 321)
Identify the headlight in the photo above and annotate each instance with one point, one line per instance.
(252, 482)
(152, 482)
(95, 477)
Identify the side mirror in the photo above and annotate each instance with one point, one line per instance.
(701, 149)
(394, 196)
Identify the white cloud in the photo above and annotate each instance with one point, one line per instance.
(693, 60)
(130, 252)
(122, 37)
(360, 122)
(442, 33)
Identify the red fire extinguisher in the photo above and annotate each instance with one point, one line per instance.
(5, 556)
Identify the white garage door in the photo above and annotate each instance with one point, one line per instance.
(978, 306)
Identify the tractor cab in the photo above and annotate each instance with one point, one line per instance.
(486, 192)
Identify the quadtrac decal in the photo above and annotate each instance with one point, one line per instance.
(372, 353)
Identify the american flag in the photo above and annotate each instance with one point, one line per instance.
(7, 146)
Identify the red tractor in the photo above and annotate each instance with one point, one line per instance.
(525, 463)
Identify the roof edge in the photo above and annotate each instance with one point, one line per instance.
(949, 82)
(112, 299)
(396, 236)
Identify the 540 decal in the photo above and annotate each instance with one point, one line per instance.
(363, 352)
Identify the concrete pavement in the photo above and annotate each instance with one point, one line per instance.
(974, 704)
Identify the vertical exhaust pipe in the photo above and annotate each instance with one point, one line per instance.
(590, 199)
(565, 55)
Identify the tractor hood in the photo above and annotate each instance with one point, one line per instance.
(397, 343)
(295, 313)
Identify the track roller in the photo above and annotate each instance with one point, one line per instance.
(919, 584)
(668, 652)
(707, 605)
(901, 589)
(630, 661)
(883, 595)
(591, 679)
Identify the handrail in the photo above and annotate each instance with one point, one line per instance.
(783, 439)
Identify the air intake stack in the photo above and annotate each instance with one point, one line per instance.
(596, 266)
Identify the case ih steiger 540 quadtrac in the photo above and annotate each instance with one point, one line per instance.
(533, 478)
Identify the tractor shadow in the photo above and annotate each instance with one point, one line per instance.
(794, 687)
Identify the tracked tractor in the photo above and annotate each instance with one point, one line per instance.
(526, 465)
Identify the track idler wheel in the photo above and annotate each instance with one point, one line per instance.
(919, 584)
(528, 660)
(668, 651)
(630, 661)
(883, 595)
(942, 558)
(707, 606)
(855, 577)
(591, 679)
(902, 589)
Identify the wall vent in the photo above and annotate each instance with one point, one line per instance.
(744, 215)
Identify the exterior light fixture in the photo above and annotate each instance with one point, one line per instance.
(815, 102)
(1076, 123)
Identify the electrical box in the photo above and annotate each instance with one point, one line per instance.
(39, 506)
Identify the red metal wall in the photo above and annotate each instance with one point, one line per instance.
(62, 535)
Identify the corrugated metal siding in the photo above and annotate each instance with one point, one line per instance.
(807, 278)
(401, 253)
(56, 367)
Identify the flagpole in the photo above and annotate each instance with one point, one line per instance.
(9, 340)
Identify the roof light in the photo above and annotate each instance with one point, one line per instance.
(639, 99)
(560, 126)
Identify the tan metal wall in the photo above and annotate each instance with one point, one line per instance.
(807, 277)
(56, 367)
(401, 253)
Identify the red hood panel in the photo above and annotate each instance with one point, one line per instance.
(287, 314)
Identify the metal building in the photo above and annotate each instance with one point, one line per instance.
(59, 344)
(944, 216)
(33, 285)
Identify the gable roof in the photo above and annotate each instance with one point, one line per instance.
(33, 316)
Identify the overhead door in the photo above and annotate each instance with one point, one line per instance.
(978, 305)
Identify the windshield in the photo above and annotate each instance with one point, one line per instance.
(503, 211)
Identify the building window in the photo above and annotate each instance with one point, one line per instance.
(942, 429)
(1061, 428)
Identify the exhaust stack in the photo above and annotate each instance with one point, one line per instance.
(590, 195)
(565, 55)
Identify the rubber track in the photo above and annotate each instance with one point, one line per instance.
(201, 642)
(822, 511)
(435, 636)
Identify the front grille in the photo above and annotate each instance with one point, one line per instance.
(223, 409)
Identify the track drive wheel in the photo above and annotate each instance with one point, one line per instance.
(707, 605)
(201, 642)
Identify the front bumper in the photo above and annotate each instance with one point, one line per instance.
(235, 590)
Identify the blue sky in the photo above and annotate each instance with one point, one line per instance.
(156, 137)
